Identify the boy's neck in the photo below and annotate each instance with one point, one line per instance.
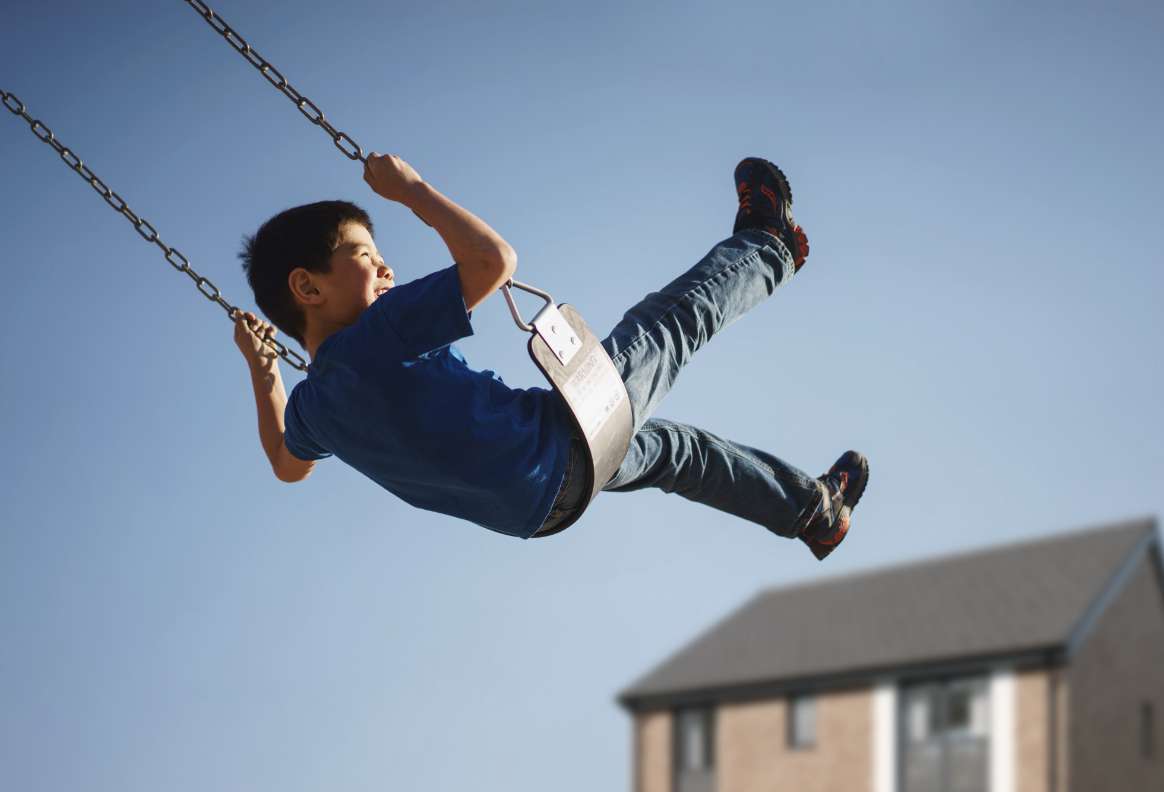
(316, 333)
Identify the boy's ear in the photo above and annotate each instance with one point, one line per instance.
(303, 287)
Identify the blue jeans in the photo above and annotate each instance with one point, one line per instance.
(650, 345)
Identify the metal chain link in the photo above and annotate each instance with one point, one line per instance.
(143, 227)
(308, 108)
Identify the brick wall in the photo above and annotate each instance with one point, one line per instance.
(1119, 666)
(753, 753)
(652, 761)
(1032, 731)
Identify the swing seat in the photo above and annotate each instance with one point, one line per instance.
(573, 360)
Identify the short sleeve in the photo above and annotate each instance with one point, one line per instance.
(427, 313)
(295, 435)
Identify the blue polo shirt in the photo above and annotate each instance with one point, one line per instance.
(392, 397)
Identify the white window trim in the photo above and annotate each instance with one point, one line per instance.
(885, 736)
(1003, 733)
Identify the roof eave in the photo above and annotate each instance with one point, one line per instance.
(1031, 657)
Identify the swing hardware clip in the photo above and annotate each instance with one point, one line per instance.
(548, 323)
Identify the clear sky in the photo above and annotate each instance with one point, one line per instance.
(980, 316)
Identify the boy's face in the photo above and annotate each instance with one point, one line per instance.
(358, 276)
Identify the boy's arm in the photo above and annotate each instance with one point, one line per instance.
(484, 260)
(270, 397)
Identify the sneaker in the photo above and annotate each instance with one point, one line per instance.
(843, 484)
(766, 204)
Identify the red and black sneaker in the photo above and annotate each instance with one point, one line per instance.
(766, 204)
(844, 484)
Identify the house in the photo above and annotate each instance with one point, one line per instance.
(1032, 667)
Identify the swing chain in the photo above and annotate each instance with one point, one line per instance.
(174, 257)
(310, 110)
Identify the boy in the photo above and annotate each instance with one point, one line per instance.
(389, 393)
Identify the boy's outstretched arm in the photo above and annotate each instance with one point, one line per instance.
(484, 260)
(270, 396)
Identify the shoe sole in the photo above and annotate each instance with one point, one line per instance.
(781, 181)
(864, 465)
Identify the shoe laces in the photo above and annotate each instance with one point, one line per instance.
(836, 483)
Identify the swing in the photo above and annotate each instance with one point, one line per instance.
(561, 344)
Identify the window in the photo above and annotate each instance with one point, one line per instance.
(1147, 730)
(945, 736)
(695, 739)
(966, 710)
(801, 722)
(694, 743)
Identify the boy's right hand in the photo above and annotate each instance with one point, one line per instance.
(249, 332)
(391, 177)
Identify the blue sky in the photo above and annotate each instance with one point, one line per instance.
(981, 185)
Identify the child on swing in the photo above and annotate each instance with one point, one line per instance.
(389, 393)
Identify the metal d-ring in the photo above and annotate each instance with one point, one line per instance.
(549, 324)
(513, 305)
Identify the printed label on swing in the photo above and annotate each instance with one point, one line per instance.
(594, 390)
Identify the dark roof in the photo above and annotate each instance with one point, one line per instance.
(1004, 601)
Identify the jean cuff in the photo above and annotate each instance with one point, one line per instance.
(809, 512)
(787, 261)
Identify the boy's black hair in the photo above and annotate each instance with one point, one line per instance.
(303, 236)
